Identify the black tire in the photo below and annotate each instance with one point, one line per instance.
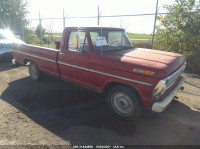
(34, 72)
(124, 102)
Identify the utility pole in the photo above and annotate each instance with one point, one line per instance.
(63, 19)
(22, 30)
(154, 28)
(9, 16)
(40, 23)
(98, 16)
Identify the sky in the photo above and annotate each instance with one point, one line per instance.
(79, 8)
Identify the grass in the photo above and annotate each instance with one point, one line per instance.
(146, 43)
(137, 43)
(142, 43)
(57, 34)
(45, 45)
(139, 36)
(131, 35)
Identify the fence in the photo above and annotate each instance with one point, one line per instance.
(55, 26)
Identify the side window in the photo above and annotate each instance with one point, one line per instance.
(116, 39)
(78, 42)
(93, 35)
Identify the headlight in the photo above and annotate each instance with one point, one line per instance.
(166, 83)
(160, 89)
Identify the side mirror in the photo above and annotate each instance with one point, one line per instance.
(76, 42)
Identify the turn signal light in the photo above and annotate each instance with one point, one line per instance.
(148, 72)
(143, 71)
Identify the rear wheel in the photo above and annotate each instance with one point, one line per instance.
(34, 72)
(124, 102)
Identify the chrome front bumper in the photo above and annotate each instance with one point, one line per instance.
(160, 106)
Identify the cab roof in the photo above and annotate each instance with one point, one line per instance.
(94, 28)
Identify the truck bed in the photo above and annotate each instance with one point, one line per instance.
(44, 58)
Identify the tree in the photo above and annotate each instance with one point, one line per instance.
(49, 27)
(29, 36)
(179, 32)
(37, 31)
(12, 13)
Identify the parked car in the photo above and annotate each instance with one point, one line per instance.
(6, 40)
(104, 60)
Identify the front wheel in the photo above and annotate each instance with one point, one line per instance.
(124, 102)
(34, 72)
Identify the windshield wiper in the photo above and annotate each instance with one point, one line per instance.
(118, 48)
(126, 47)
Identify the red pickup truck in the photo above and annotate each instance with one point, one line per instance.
(103, 59)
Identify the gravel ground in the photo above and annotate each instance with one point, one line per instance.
(53, 112)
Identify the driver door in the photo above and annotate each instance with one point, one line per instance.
(74, 60)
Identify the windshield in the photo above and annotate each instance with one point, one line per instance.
(109, 40)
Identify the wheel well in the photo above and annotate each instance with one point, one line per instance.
(112, 84)
(26, 61)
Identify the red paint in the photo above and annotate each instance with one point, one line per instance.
(120, 63)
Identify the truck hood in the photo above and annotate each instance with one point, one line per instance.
(161, 62)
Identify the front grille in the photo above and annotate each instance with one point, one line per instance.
(172, 78)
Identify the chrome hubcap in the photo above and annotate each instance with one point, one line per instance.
(122, 103)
